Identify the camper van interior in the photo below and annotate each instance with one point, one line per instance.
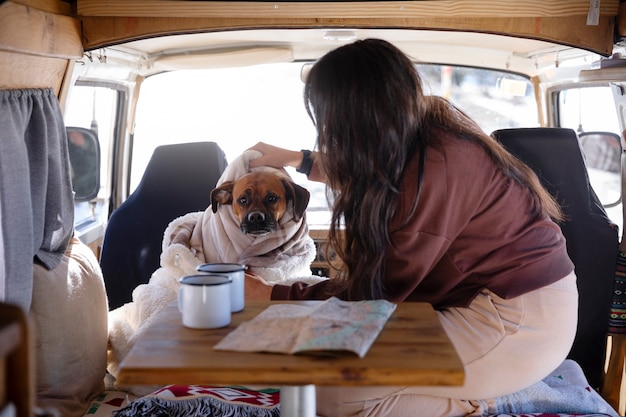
(142, 105)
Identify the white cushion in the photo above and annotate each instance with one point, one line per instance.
(69, 313)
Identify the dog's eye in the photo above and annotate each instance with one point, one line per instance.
(271, 198)
(243, 201)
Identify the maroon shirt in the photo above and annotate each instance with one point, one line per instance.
(472, 229)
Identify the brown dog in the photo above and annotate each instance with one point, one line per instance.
(260, 199)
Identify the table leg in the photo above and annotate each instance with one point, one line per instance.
(297, 401)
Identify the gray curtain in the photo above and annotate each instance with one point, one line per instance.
(36, 198)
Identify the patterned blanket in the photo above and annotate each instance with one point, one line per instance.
(205, 401)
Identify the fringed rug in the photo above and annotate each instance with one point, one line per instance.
(551, 415)
(204, 401)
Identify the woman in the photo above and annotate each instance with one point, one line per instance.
(434, 210)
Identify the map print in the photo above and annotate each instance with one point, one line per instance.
(332, 325)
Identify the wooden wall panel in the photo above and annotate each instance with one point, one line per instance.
(119, 20)
(621, 19)
(62, 7)
(19, 70)
(372, 9)
(31, 31)
(17, 353)
(104, 31)
(36, 47)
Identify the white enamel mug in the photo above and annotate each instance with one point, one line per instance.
(204, 301)
(236, 273)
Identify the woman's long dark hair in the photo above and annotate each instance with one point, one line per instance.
(367, 103)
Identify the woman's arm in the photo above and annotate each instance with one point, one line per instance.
(276, 157)
(256, 288)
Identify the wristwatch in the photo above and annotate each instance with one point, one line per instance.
(307, 162)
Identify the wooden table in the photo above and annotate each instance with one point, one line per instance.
(412, 349)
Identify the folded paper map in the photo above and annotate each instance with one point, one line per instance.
(332, 325)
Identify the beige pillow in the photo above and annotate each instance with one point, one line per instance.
(69, 313)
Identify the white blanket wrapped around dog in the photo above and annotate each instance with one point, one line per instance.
(282, 257)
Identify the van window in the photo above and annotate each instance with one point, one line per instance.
(591, 108)
(237, 107)
(494, 99)
(95, 108)
(588, 109)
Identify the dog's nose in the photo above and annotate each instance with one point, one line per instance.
(256, 217)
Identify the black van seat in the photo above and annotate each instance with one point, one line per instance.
(592, 239)
(178, 180)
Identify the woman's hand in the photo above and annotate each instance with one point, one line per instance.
(275, 157)
(256, 288)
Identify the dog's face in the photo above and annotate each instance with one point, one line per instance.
(260, 199)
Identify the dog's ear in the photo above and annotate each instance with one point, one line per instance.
(222, 195)
(299, 195)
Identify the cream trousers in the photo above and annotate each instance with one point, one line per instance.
(505, 346)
